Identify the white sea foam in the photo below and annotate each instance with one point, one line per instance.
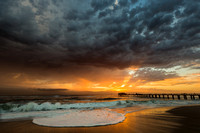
(82, 118)
(33, 114)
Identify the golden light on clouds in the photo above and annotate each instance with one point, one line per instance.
(127, 80)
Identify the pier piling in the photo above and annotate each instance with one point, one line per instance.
(185, 97)
(178, 97)
(167, 96)
(172, 96)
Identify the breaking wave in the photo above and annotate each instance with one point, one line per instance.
(32, 106)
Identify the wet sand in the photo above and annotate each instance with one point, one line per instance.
(159, 120)
(190, 118)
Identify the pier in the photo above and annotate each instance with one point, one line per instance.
(183, 96)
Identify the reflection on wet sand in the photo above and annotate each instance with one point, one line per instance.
(146, 121)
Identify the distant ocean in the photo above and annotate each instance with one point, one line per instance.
(72, 111)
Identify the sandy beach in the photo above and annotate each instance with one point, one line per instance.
(157, 120)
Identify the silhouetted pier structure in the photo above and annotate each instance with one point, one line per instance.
(165, 96)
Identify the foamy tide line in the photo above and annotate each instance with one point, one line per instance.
(86, 118)
(33, 114)
(69, 118)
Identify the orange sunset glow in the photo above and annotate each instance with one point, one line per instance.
(113, 81)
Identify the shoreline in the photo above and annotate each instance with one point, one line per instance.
(163, 119)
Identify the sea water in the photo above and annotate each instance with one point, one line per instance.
(77, 111)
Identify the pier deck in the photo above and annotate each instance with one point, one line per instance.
(164, 96)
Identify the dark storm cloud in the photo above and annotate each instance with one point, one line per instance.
(101, 4)
(104, 33)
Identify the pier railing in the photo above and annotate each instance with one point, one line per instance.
(184, 96)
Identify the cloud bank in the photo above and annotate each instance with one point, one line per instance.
(99, 32)
(78, 37)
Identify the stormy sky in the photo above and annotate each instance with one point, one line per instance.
(99, 43)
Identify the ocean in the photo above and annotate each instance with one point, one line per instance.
(77, 111)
